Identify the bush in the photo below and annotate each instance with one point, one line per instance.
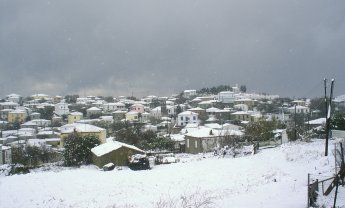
(78, 149)
(31, 156)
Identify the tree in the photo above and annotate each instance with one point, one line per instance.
(47, 112)
(243, 88)
(109, 99)
(150, 141)
(71, 98)
(261, 130)
(338, 122)
(77, 149)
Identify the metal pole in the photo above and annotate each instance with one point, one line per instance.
(328, 117)
(295, 125)
(326, 107)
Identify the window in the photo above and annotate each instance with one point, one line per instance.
(181, 118)
(196, 144)
(187, 143)
(194, 118)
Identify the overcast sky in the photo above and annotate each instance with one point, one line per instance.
(110, 47)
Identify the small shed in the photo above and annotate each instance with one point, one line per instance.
(113, 152)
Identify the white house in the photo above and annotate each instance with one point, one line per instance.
(61, 109)
(187, 117)
(171, 110)
(226, 97)
(211, 111)
(299, 109)
(156, 112)
(8, 105)
(93, 111)
(189, 93)
(13, 98)
(111, 107)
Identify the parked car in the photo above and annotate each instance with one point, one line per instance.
(139, 162)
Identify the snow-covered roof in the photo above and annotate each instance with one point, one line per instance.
(47, 133)
(29, 123)
(52, 139)
(39, 95)
(5, 148)
(165, 118)
(213, 126)
(78, 127)
(212, 119)
(197, 109)
(206, 132)
(231, 126)
(94, 109)
(177, 137)
(213, 109)
(318, 121)
(6, 110)
(76, 114)
(132, 113)
(18, 111)
(191, 125)
(13, 95)
(187, 113)
(36, 142)
(196, 100)
(240, 113)
(298, 107)
(111, 146)
(9, 103)
(207, 102)
(203, 132)
(107, 118)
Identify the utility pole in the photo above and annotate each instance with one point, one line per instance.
(295, 125)
(328, 113)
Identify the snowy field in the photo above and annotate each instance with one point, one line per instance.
(275, 177)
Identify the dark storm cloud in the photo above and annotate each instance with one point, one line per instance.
(161, 47)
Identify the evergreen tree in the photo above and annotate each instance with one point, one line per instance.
(77, 149)
(338, 122)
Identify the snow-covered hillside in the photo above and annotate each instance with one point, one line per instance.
(275, 177)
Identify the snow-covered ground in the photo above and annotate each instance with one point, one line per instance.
(274, 177)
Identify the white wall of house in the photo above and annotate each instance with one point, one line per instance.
(187, 117)
(156, 112)
(61, 109)
(226, 97)
(299, 109)
(189, 93)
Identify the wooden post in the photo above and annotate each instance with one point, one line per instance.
(336, 190)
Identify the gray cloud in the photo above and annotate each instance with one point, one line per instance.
(161, 47)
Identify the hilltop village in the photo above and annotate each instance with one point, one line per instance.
(194, 121)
